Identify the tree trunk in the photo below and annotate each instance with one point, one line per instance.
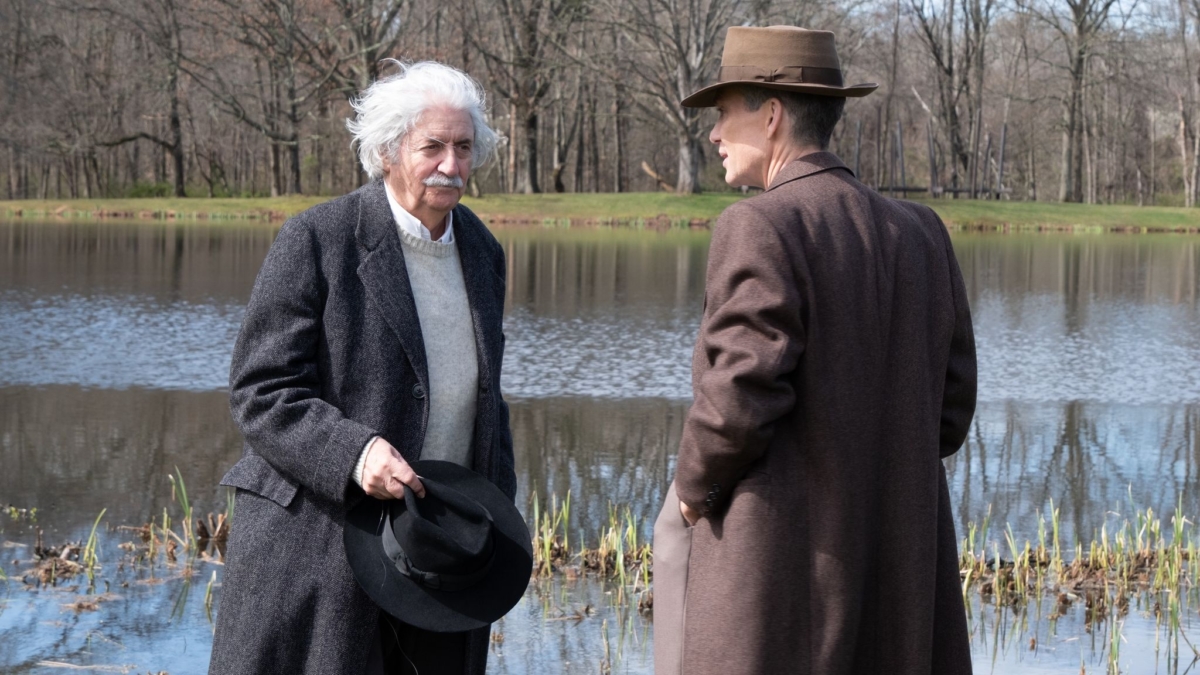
(510, 183)
(619, 145)
(1077, 140)
(691, 157)
(176, 133)
(276, 171)
(594, 142)
(579, 152)
(294, 156)
(529, 177)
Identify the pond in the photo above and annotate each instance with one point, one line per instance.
(114, 353)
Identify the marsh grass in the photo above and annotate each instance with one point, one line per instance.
(89, 558)
(1139, 563)
(620, 553)
(1016, 589)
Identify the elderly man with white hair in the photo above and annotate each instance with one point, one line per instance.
(372, 339)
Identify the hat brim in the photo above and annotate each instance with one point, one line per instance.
(707, 97)
(439, 610)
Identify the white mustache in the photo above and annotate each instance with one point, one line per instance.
(442, 180)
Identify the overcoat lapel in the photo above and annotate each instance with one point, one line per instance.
(385, 276)
(486, 314)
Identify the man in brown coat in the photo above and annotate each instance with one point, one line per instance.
(808, 528)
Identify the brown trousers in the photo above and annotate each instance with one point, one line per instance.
(672, 549)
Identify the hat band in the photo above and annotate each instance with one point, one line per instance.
(830, 77)
(434, 580)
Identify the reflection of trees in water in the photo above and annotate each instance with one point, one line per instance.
(569, 273)
(1090, 458)
(171, 261)
(71, 452)
(601, 450)
(1079, 268)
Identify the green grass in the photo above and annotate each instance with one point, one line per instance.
(637, 209)
(264, 208)
(625, 206)
(1046, 215)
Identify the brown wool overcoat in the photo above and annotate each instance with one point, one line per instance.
(834, 369)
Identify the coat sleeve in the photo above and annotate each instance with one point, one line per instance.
(274, 382)
(958, 394)
(750, 341)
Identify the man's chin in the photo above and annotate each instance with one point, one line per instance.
(443, 199)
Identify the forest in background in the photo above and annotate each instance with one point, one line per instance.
(1092, 101)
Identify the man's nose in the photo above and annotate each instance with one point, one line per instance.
(714, 137)
(450, 164)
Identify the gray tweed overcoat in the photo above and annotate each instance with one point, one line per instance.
(330, 354)
(834, 369)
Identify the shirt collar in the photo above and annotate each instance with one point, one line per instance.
(409, 223)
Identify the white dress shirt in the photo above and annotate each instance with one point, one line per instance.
(409, 223)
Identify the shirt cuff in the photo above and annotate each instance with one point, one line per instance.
(362, 461)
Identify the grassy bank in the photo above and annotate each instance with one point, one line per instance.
(640, 209)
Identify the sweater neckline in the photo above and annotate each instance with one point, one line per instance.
(427, 247)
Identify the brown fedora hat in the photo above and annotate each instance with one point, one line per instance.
(779, 57)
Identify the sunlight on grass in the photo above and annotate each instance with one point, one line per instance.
(657, 210)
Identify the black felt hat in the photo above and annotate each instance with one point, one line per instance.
(457, 559)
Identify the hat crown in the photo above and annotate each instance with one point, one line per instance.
(781, 58)
(446, 532)
(774, 47)
(472, 533)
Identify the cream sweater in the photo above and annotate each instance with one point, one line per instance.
(435, 273)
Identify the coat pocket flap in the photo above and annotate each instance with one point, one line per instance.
(254, 474)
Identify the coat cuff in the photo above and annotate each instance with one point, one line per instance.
(339, 458)
(706, 498)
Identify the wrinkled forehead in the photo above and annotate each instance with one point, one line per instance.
(445, 125)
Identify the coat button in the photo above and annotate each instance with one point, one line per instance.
(418, 391)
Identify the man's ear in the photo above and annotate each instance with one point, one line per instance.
(774, 117)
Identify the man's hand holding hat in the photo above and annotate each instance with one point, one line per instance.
(385, 473)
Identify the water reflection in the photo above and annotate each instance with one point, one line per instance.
(72, 451)
(567, 273)
(1081, 268)
(114, 344)
(1092, 460)
(168, 262)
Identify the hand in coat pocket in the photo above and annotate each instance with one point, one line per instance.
(385, 473)
(689, 514)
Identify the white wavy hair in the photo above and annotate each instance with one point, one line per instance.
(391, 106)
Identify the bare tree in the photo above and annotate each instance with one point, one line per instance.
(520, 56)
(1080, 28)
(282, 38)
(161, 23)
(959, 65)
(680, 41)
(367, 32)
